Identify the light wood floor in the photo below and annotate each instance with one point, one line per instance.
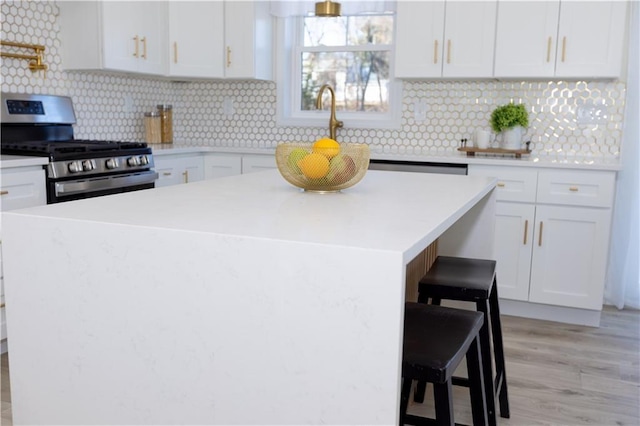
(558, 374)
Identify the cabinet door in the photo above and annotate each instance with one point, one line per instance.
(193, 169)
(513, 245)
(120, 38)
(591, 38)
(570, 256)
(169, 171)
(419, 34)
(152, 25)
(469, 38)
(248, 39)
(526, 38)
(258, 163)
(220, 165)
(196, 37)
(133, 36)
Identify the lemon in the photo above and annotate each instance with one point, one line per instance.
(327, 147)
(314, 166)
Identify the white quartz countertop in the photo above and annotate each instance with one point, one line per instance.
(394, 211)
(454, 156)
(8, 161)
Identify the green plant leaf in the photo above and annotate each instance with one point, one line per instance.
(508, 116)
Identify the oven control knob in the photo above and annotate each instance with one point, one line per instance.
(75, 167)
(144, 160)
(133, 161)
(111, 163)
(87, 165)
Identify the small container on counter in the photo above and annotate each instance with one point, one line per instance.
(153, 127)
(166, 118)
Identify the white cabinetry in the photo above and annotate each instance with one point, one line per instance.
(560, 38)
(248, 40)
(123, 36)
(176, 169)
(445, 39)
(552, 244)
(196, 39)
(21, 187)
(258, 162)
(221, 165)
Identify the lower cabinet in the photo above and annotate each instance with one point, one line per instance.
(21, 187)
(552, 244)
(176, 169)
(221, 165)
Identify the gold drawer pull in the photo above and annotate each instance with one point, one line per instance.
(4, 192)
(540, 236)
(500, 185)
(228, 56)
(449, 51)
(573, 188)
(166, 174)
(435, 51)
(564, 47)
(175, 52)
(526, 229)
(549, 49)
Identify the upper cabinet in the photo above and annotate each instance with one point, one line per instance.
(123, 36)
(569, 39)
(452, 39)
(248, 40)
(196, 37)
(179, 39)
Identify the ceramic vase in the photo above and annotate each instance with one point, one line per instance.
(511, 138)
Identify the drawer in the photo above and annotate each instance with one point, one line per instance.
(21, 189)
(514, 184)
(576, 188)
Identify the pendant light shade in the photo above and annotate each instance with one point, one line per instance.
(328, 9)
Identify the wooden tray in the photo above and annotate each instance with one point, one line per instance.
(471, 151)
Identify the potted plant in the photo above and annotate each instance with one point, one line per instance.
(510, 121)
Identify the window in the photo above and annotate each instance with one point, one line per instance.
(351, 53)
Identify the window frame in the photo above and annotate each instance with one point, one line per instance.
(289, 74)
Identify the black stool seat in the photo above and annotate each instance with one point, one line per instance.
(436, 340)
(472, 280)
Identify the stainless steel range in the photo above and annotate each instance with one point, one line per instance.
(42, 125)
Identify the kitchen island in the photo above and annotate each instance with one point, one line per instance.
(238, 300)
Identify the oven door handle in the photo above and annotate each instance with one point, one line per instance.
(108, 182)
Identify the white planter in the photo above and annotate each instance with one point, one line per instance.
(512, 138)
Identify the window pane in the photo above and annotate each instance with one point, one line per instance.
(348, 30)
(360, 79)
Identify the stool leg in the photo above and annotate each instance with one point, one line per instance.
(421, 387)
(443, 397)
(404, 399)
(485, 346)
(498, 351)
(476, 384)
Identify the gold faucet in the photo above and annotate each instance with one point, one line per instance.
(333, 122)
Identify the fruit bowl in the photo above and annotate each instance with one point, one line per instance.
(320, 167)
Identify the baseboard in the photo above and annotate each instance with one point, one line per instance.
(550, 313)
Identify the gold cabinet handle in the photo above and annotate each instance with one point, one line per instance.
(185, 174)
(500, 185)
(449, 51)
(228, 56)
(526, 230)
(166, 174)
(136, 50)
(573, 188)
(4, 192)
(175, 52)
(564, 47)
(144, 47)
(540, 235)
(435, 51)
(549, 49)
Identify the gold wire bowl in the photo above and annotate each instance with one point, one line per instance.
(322, 172)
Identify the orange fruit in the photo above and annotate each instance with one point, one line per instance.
(327, 147)
(314, 166)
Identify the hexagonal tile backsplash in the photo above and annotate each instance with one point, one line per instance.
(580, 118)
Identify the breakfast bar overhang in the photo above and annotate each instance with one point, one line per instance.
(238, 300)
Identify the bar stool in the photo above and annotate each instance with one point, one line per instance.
(472, 280)
(436, 339)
